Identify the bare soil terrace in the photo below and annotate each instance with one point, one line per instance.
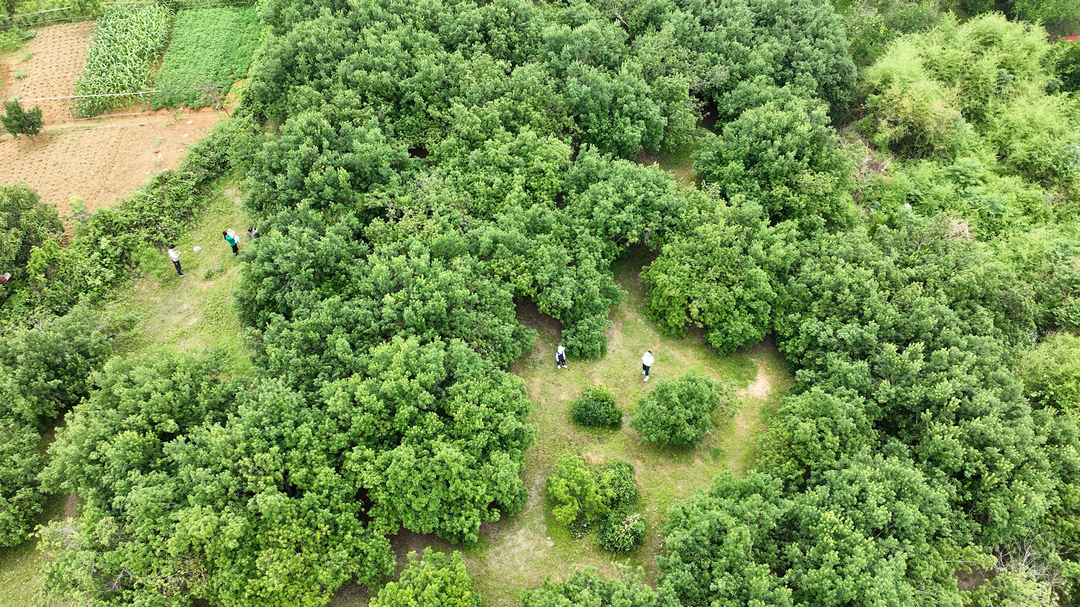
(51, 61)
(103, 162)
(97, 161)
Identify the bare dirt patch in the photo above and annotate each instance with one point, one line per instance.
(56, 56)
(102, 162)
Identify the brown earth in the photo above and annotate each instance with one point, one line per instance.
(103, 161)
(56, 56)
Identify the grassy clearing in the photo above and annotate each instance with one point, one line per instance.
(193, 313)
(519, 552)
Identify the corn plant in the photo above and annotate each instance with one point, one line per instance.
(124, 49)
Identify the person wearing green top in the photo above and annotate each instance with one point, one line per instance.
(230, 237)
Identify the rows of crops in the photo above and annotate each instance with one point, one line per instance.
(122, 55)
(210, 49)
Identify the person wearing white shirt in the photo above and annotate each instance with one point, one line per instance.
(646, 362)
(560, 357)
(174, 255)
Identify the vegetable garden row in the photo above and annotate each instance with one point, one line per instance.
(208, 50)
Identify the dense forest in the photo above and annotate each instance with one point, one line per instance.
(889, 188)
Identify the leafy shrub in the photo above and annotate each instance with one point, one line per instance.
(596, 407)
(584, 588)
(436, 580)
(25, 223)
(124, 50)
(46, 368)
(1065, 55)
(716, 276)
(18, 121)
(622, 531)
(20, 497)
(617, 486)
(792, 176)
(578, 503)
(582, 498)
(677, 413)
(1051, 372)
(873, 24)
(209, 46)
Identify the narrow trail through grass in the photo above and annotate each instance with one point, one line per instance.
(517, 553)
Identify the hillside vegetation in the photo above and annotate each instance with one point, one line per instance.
(425, 175)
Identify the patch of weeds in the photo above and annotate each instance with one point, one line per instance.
(27, 56)
(157, 144)
(20, 74)
(212, 272)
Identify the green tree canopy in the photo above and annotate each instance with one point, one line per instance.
(436, 580)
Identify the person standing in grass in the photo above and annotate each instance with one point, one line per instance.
(560, 357)
(230, 237)
(174, 255)
(646, 362)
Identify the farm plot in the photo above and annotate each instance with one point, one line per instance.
(123, 53)
(48, 65)
(210, 46)
(101, 164)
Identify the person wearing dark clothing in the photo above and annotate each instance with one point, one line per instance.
(560, 357)
(253, 233)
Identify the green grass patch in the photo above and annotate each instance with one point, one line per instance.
(210, 46)
(195, 312)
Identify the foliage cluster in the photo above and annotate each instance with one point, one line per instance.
(25, 223)
(44, 369)
(209, 47)
(678, 413)
(596, 408)
(435, 580)
(585, 500)
(250, 477)
(1004, 110)
(585, 587)
(18, 121)
(124, 50)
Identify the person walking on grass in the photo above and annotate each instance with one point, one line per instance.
(560, 357)
(230, 237)
(646, 362)
(174, 255)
